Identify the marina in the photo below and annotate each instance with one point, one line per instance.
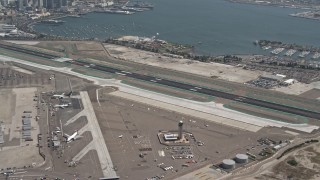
(277, 51)
(290, 52)
(291, 49)
(316, 55)
(304, 54)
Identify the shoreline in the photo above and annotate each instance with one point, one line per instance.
(310, 7)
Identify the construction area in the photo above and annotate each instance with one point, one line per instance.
(94, 115)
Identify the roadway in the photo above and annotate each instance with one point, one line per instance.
(202, 90)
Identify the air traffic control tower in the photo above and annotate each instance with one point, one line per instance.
(180, 130)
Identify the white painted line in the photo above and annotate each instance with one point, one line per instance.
(97, 93)
(120, 74)
(126, 72)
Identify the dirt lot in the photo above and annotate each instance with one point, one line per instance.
(304, 164)
(222, 71)
(311, 94)
(73, 48)
(299, 88)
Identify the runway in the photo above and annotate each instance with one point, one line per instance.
(202, 90)
(179, 85)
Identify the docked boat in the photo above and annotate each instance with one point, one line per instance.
(115, 11)
(74, 15)
(132, 9)
(53, 21)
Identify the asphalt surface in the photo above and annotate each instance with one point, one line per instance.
(202, 90)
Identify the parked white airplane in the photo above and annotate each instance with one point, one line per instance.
(73, 137)
(61, 96)
(58, 96)
(62, 106)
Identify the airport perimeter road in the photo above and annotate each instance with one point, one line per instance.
(202, 90)
(98, 140)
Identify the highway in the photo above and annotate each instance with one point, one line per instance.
(202, 90)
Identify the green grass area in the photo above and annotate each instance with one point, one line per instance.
(35, 50)
(192, 84)
(206, 98)
(88, 72)
(276, 102)
(50, 47)
(298, 119)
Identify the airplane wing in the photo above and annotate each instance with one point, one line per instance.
(77, 137)
(66, 135)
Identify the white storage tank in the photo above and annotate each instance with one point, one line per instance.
(228, 164)
(242, 158)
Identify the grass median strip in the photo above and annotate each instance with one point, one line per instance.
(288, 118)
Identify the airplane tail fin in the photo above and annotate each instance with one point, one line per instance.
(66, 135)
(70, 94)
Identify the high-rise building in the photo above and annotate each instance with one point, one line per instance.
(35, 3)
(20, 5)
(25, 2)
(44, 3)
(4, 3)
(40, 4)
(49, 4)
(64, 2)
(57, 4)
